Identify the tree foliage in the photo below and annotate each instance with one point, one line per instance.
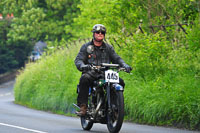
(165, 85)
(34, 21)
(124, 16)
(7, 59)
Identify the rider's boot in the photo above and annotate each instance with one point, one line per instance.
(83, 110)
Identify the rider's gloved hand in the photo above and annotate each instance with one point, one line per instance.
(85, 67)
(127, 67)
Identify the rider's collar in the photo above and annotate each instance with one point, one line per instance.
(103, 46)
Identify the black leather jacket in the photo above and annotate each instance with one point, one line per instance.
(102, 54)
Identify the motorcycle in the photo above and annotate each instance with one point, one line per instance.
(105, 100)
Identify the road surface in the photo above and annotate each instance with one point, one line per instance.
(19, 119)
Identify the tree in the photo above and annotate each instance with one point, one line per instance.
(7, 60)
(48, 18)
(123, 16)
(34, 21)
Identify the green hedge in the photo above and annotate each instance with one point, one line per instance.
(163, 88)
(50, 83)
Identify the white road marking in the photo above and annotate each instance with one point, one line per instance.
(31, 130)
(6, 94)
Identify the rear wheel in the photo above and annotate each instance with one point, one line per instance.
(116, 116)
(86, 124)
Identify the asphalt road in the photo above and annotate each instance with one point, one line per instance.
(19, 119)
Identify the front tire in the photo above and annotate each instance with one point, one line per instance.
(116, 116)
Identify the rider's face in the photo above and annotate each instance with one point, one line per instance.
(99, 36)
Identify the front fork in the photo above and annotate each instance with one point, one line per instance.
(117, 87)
(108, 97)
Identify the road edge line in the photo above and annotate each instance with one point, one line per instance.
(23, 128)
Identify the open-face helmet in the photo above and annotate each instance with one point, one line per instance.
(99, 28)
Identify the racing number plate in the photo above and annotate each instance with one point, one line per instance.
(111, 76)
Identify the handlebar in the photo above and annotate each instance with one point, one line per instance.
(106, 66)
(109, 65)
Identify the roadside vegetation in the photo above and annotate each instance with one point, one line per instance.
(163, 88)
(50, 83)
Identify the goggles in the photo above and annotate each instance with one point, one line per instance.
(98, 32)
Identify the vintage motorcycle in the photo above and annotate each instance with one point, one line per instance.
(106, 100)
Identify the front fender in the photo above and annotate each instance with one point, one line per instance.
(118, 87)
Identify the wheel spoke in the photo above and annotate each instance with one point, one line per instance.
(115, 119)
(86, 124)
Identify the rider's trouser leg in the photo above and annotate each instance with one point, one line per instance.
(85, 82)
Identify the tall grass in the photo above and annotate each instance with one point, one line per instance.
(163, 89)
(49, 84)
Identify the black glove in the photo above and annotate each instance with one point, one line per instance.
(127, 67)
(85, 67)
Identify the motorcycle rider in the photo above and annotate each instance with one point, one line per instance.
(94, 52)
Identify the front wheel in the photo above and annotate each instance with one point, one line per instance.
(116, 116)
(86, 124)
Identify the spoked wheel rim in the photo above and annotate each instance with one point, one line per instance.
(113, 115)
(86, 124)
(116, 115)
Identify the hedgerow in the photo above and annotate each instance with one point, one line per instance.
(163, 88)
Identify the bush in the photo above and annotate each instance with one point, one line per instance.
(50, 83)
(193, 36)
(7, 59)
(163, 89)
